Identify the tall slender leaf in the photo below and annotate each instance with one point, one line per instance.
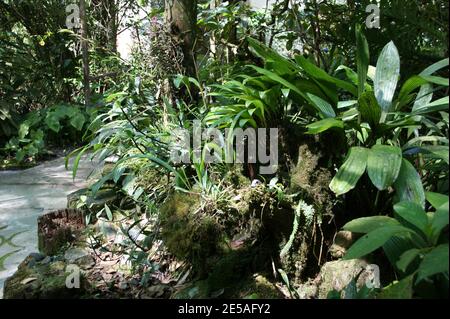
(362, 59)
(386, 76)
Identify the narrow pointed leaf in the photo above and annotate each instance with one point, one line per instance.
(369, 109)
(362, 59)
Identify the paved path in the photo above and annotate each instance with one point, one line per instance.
(27, 194)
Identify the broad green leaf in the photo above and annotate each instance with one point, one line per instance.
(408, 185)
(366, 225)
(407, 258)
(53, 123)
(323, 106)
(397, 245)
(383, 165)
(369, 109)
(374, 240)
(402, 289)
(372, 72)
(436, 200)
(439, 221)
(24, 129)
(435, 262)
(324, 125)
(77, 121)
(387, 75)
(362, 59)
(350, 172)
(413, 214)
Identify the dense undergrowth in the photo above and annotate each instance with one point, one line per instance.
(363, 149)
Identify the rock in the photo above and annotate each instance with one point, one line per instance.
(236, 198)
(46, 260)
(342, 241)
(134, 282)
(336, 275)
(58, 228)
(256, 183)
(157, 291)
(107, 228)
(122, 285)
(307, 291)
(37, 256)
(80, 257)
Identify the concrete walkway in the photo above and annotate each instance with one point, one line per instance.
(27, 194)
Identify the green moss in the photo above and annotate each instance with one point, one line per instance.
(49, 282)
(258, 287)
(236, 178)
(189, 233)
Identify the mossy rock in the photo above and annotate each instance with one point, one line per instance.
(236, 178)
(248, 287)
(43, 281)
(258, 287)
(188, 233)
(312, 180)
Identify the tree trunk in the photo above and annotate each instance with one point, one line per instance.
(181, 17)
(85, 52)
